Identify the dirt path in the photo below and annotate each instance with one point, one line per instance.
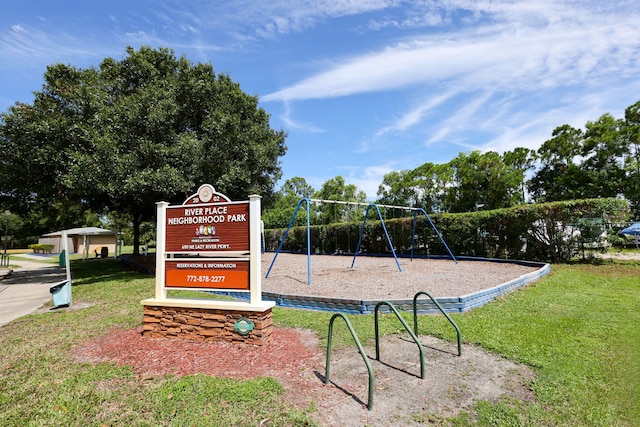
(401, 398)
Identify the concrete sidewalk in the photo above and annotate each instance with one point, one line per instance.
(27, 289)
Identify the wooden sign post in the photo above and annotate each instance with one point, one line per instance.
(209, 243)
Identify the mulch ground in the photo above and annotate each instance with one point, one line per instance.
(287, 353)
(291, 356)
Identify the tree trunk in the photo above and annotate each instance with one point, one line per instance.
(137, 220)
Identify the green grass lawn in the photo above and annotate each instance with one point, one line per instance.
(578, 328)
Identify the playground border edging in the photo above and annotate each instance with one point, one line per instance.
(449, 304)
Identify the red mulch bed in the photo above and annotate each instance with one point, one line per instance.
(289, 351)
(292, 357)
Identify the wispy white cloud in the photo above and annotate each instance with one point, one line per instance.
(413, 14)
(141, 37)
(248, 20)
(404, 121)
(575, 46)
(415, 20)
(291, 123)
(415, 115)
(462, 117)
(22, 43)
(514, 72)
(367, 178)
(284, 17)
(526, 128)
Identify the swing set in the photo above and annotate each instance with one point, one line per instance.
(377, 207)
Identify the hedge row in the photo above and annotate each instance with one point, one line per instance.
(42, 248)
(542, 232)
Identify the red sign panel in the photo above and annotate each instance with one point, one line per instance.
(208, 228)
(207, 274)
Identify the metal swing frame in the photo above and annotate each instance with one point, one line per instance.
(308, 201)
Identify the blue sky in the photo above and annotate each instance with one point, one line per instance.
(363, 87)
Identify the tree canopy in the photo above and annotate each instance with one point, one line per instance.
(131, 132)
(466, 183)
(576, 164)
(280, 212)
(631, 134)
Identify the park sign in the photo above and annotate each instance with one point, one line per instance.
(209, 243)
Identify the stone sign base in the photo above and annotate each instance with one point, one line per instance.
(207, 324)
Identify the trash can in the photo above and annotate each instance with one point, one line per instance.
(63, 260)
(61, 293)
(104, 252)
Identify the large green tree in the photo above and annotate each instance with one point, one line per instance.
(468, 182)
(425, 186)
(522, 160)
(576, 164)
(398, 188)
(559, 177)
(280, 211)
(337, 189)
(483, 180)
(134, 131)
(603, 153)
(631, 134)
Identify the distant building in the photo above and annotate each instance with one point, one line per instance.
(88, 241)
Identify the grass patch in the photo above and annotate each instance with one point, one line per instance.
(577, 327)
(42, 259)
(40, 384)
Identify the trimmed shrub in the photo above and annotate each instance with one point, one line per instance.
(42, 248)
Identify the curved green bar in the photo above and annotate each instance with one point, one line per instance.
(415, 317)
(360, 349)
(413, 336)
